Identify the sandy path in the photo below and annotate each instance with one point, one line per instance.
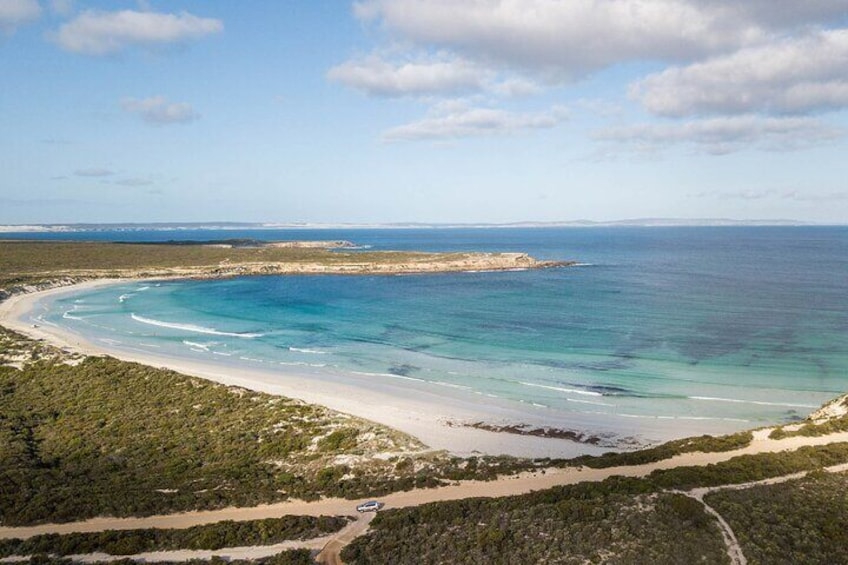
(331, 553)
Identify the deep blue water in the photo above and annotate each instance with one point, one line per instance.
(742, 326)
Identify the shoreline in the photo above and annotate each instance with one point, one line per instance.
(422, 414)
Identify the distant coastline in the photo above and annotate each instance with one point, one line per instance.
(223, 226)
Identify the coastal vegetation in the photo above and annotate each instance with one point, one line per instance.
(799, 521)
(618, 520)
(209, 536)
(703, 444)
(747, 468)
(287, 557)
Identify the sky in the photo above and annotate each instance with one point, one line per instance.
(379, 111)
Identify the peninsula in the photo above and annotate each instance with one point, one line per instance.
(35, 262)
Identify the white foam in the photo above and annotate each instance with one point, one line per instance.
(251, 359)
(449, 385)
(197, 346)
(562, 389)
(305, 350)
(389, 375)
(124, 297)
(302, 364)
(588, 402)
(757, 402)
(191, 328)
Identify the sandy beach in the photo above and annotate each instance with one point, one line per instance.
(418, 412)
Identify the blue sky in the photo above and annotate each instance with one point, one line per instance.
(423, 110)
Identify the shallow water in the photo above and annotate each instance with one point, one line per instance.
(734, 327)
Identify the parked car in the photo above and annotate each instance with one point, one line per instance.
(370, 506)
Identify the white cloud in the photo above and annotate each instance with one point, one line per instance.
(567, 39)
(157, 110)
(725, 134)
(747, 64)
(16, 12)
(791, 76)
(376, 76)
(101, 33)
(457, 120)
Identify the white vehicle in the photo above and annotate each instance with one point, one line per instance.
(370, 506)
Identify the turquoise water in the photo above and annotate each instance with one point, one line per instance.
(731, 327)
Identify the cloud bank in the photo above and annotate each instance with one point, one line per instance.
(103, 33)
(789, 76)
(733, 74)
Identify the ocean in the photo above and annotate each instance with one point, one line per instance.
(713, 328)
